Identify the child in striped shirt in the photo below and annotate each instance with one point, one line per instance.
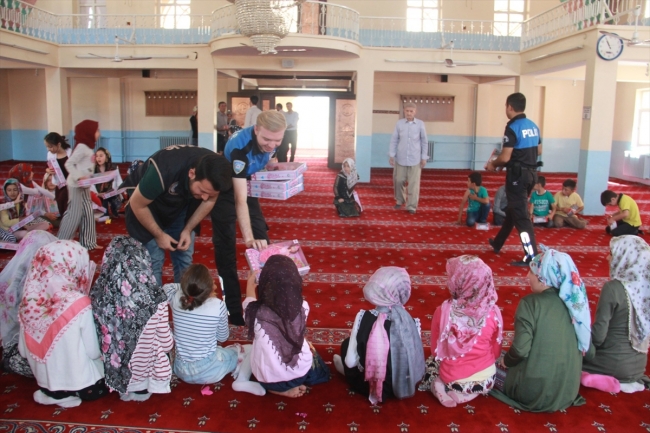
(200, 321)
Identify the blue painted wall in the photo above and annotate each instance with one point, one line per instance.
(364, 155)
(27, 145)
(6, 148)
(561, 154)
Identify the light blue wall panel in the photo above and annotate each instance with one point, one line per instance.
(561, 154)
(6, 148)
(593, 173)
(27, 144)
(363, 154)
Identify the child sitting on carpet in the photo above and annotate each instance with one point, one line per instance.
(132, 319)
(282, 359)
(569, 205)
(619, 351)
(346, 198)
(104, 163)
(479, 201)
(541, 370)
(627, 218)
(200, 323)
(542, 203)
(384, 357)
(57, 332)
(9, 217)
(466, 334)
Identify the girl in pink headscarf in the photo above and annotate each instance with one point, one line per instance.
(466, 333)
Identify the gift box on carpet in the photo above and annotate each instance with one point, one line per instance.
(280, 171)
(292, 249)
(9, 246)
(277, 194)
(274, 185)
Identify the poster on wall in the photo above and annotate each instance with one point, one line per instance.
(346, 110)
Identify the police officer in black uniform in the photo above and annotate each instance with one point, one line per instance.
(521, 145)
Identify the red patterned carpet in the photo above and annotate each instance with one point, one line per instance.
(343, 253)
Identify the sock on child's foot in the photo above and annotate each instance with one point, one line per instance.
(338, 364)
(600, 382)
(249, 387)
(460, 397)
(134, 396)
(42, 398)
(631, 387)
(438, 389)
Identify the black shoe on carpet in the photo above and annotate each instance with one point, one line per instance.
(397, 206)
(520, 263)
(496, 250)
(236, 319)
(412, 212)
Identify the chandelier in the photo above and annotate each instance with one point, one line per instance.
(265, 22)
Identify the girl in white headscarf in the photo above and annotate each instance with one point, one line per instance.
(57, 331)
(621, 331)
(346, 198)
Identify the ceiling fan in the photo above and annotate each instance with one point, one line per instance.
(635, 36)
(117, 58)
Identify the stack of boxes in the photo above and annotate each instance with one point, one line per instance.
(280, 180)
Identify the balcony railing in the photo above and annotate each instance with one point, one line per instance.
(317, 18)
(311, 17)
(466, 34)
(573, 16)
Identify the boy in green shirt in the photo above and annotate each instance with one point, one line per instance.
(479, 201)
(627, 218)
(542, 204)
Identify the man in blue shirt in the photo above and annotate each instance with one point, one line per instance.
(248, 151)
(521, 143)
(408, 155)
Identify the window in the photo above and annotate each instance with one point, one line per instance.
(93, 12)
(422, 15)
(508, 16)
(641, 131)
(175, 14)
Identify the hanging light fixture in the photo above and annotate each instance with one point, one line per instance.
(265, 22)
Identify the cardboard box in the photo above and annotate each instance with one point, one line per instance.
(60, 179)
(274, 185)
(280, 171)
(482, 226)
(22, 223)
(113, 193)
(9, 246)
(292, 249)
(540, 219)
(277, 195)
(96, 178)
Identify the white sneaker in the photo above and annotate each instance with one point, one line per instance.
(632, 387)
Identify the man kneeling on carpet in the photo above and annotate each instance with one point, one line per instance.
(282, 359)
(383, 357)
(466, 334)
(132, 319)
(57, 332)
(200, 324)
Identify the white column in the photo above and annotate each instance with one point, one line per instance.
(363, 147)
(57, 100)
(207, 102)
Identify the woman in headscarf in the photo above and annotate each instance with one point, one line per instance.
(552, 333)
(80, 165)
(13, 192)
(132, 319)
(621, 331)
(383, 357)
(282, 359)
(23, 173)
(57, 331)
(466, 333)
(12, 281)
(346, 199)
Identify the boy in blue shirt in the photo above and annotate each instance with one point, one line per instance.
(479, 202)
(542, 203)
